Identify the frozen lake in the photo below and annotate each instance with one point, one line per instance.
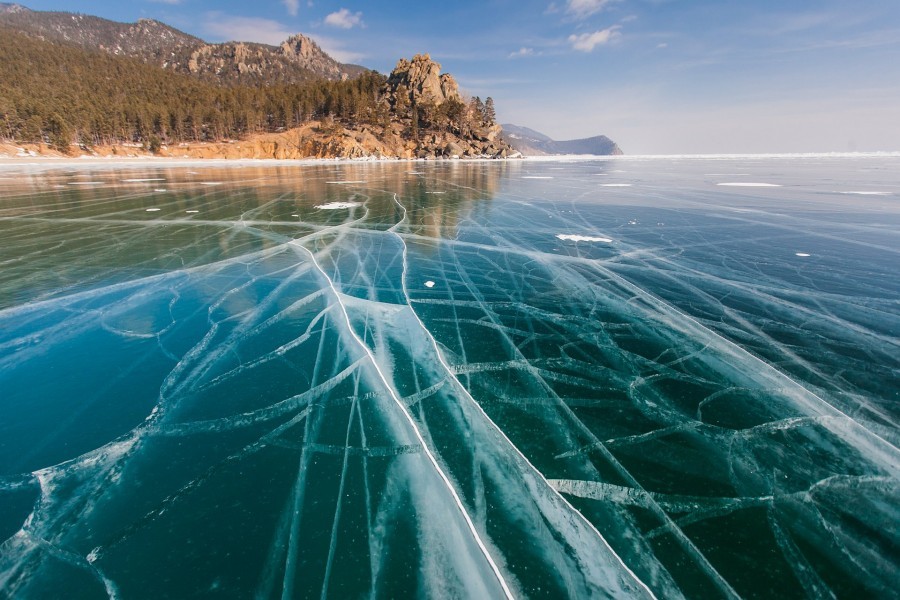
(614, 378)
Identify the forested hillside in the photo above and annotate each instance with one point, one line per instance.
(62, 93)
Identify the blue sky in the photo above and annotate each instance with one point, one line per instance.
(657, 76)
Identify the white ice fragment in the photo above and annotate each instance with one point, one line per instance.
(338, 205)
(582, 238)
(211, 183)
(192, 211)
(749, 184)
(159, 190)
(804, 254)
(429, 284)
(865, 193)
(152, 209)
(295, 215)
(632, 222)
(615, 185)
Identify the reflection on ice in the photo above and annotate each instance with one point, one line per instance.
(276, 400)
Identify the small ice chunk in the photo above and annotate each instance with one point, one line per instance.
(338, 205)
(865, 193)
(192, 211)
(749, 184)
(803, 254)
(429, 284)
(582, 238)
(152, 209)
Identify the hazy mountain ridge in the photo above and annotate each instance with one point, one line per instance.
(297, 59)
(533, 143)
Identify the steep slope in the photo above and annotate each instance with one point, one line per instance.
(296, 60)
(533, 143)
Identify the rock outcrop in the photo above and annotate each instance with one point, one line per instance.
(427, 107)
(422, 80)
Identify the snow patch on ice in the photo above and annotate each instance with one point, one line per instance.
(152, 209)
(429, 284)
(749, 184)
(804, 254)
(192, 211)
(338, 205)
(582, 238)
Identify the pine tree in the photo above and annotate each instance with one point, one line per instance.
(490, 115)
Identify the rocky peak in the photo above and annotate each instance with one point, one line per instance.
(303, 51)
(7, 8)
(422, 79)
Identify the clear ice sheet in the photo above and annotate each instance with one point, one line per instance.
(346, 380)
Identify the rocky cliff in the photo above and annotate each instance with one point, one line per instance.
(427, 107)
(533, 143)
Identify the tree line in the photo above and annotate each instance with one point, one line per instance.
(62, 94)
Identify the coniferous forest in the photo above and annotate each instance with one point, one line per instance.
(62, 94)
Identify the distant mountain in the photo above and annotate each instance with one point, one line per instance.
(533, 143)
(296, 60)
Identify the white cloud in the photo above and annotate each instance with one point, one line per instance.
(586, 42)
(522, 52)
(292, 6)
(586, 8)
(344, 19)
(220, 27)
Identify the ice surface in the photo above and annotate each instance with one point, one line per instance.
(436, 395)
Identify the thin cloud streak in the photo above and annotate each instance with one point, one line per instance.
(221, 27)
